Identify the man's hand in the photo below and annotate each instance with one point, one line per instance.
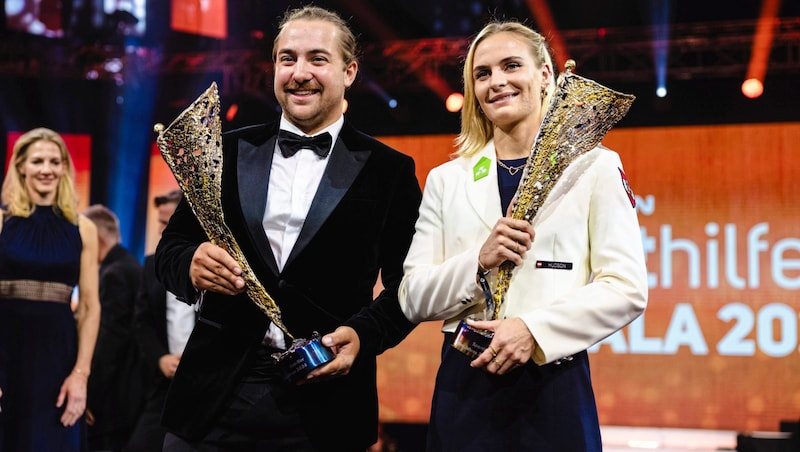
(214, 269)
(168, 364)
(345, 345)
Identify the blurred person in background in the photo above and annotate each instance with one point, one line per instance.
(163, 324)
(115, 387)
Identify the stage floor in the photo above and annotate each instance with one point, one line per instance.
(411, 438)
(619, 439)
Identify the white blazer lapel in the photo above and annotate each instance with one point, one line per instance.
(481, 185)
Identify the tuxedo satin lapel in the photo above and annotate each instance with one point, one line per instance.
(253, 167)
(344, 166)
(482, 194)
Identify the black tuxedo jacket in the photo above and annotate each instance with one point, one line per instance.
(114, 390)
(360, 225)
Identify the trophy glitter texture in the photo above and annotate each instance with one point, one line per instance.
(192, 147)
(581, 113)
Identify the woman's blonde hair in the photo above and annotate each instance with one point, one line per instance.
(14, 194)
(476, 129)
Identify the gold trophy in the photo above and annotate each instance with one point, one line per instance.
(192, 147)
(580, 115)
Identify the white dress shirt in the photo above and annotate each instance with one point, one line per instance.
(293, 182)
(180, 322)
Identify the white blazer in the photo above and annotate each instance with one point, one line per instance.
(583, 279)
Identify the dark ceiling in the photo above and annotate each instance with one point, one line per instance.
(710, 45)
(413, 49)
(416, 19)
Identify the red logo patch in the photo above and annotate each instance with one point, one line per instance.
(627, 186)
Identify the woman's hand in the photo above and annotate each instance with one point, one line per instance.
(74, 392)
(511, 347)
(509, 240)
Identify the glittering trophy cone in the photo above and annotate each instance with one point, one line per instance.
(192, 147)
(581, 113)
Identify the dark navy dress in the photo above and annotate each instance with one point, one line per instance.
(39, 266)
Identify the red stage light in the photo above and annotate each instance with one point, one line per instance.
(232, 111)
(454, 102)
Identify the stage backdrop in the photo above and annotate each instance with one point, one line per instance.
(718, 345)
(161, 182)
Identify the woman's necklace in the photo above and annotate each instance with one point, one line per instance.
(512, 170)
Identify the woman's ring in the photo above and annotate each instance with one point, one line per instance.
(493, 352)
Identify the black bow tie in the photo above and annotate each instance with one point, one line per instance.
(290, 143)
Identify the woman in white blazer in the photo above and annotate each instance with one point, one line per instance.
(579, 271)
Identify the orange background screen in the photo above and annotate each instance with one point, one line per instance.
(203, 17)
(161, 182)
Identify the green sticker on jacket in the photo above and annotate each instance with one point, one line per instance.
(481, 169)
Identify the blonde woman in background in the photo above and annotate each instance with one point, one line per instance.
(46, 249)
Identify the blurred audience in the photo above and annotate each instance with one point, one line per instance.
(115, 396)
(163, 325)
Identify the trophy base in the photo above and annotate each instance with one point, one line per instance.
(303, 356)
(471, 341)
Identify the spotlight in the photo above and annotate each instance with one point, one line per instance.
(753, 85)
(752, 88)
(660, 14)
(454, 102)
(113, 65)
(380, 92)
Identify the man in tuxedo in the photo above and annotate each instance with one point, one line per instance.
(317, 228)
(114, 390)
(162, 326)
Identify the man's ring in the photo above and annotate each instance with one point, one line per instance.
(493, 352)
(516, 247)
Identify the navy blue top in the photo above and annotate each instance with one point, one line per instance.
(508, 183)
(43, 247)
